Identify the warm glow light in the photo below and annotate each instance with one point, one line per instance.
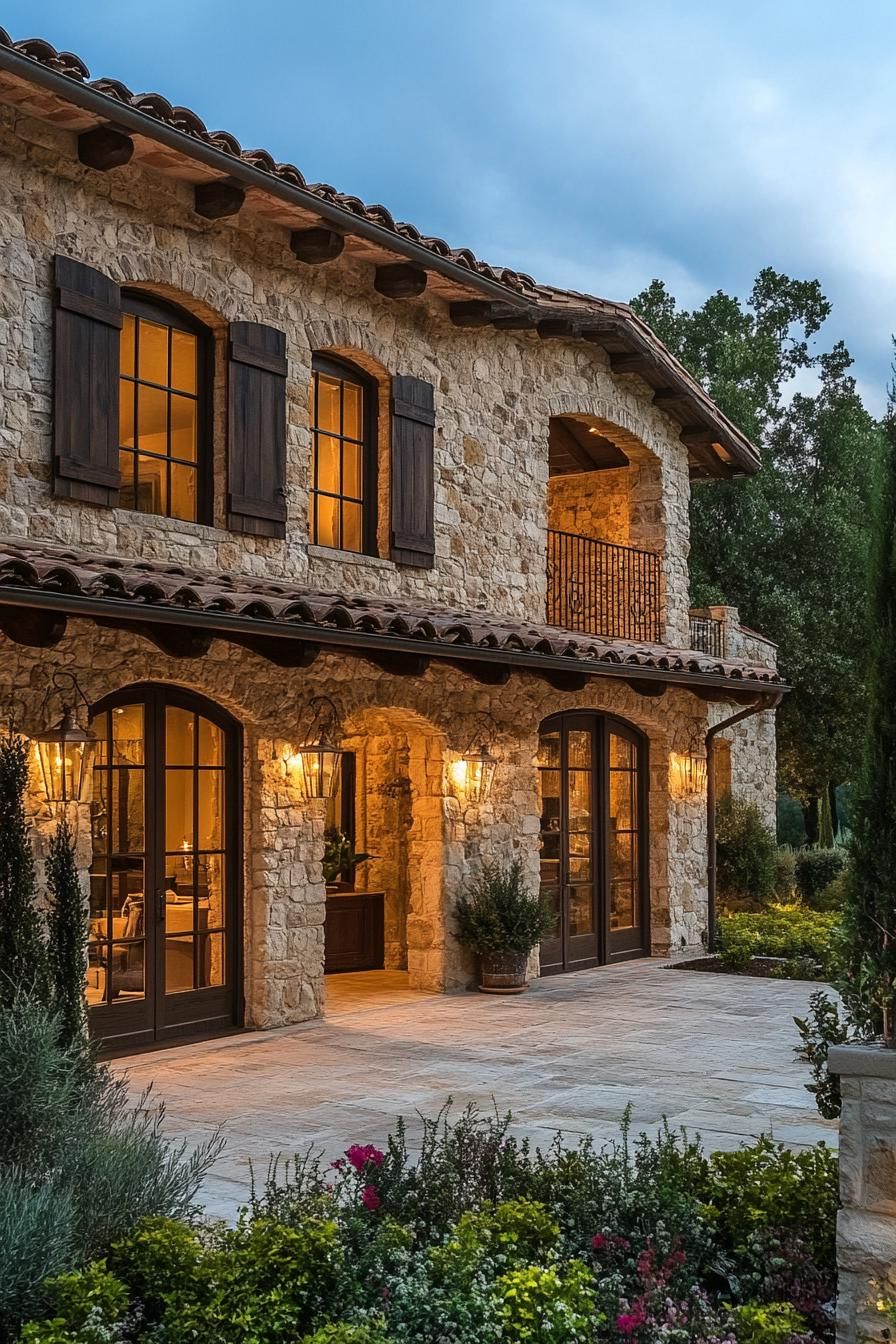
(66, 754)
(687, 774)
(472, 776)
(315, 768)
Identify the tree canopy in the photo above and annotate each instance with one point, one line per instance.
(788, 547)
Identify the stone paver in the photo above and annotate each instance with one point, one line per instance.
(712, 1053)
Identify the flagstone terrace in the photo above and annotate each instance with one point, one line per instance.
(713, 1053)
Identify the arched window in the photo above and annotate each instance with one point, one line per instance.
(164, 454)
(342, 508)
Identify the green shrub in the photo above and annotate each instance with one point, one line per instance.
(803, 938)
(772, 1323)
(498, 912)
(79, 1166)
(546, 1304)
(746, 852)
(87, 1306)
(834, 895)
(785, 875)
(343, 1333)
(816, 869)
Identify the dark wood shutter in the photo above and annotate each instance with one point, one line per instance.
(413, 485)
(87, 339)
(256, 492)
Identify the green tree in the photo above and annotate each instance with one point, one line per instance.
(67, 937)
(789, 546)
(869, 917)
(23, 967)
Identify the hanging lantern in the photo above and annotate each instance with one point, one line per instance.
(66, 756)
(316, 762)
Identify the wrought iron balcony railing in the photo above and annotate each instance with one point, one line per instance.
(604, 589)
(708, 636)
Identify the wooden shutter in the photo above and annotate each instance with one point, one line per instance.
(413, 488)
(256, 424)
(87, 331)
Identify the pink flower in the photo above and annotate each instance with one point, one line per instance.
(598, 1242)
(338, 1164)
(362, 1155)
(370, 1199)
(631, 1321)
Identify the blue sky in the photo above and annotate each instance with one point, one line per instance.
(592, 143)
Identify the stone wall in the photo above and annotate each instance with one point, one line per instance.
(866, 1223)
(429, 722)
(752, 742)
(495, 391)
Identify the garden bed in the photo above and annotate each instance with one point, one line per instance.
(763, 968)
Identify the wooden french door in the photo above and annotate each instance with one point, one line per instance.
(594, 836)
(163, 955)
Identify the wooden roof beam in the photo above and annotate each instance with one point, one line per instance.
(400, 280)
(631, 363)
(316, 246)
(472, 313)
(105, 147)
(218, 199)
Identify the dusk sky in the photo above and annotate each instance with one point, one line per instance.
(595, 145)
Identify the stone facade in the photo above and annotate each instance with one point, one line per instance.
(866, 1223)
(496, 392)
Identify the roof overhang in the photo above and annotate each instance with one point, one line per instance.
(54, 87)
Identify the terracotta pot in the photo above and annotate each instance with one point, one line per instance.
(503, 972)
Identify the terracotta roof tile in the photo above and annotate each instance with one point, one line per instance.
(32, 567)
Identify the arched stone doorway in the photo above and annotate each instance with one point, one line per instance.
(165, 908)
(593, 787)
(396, 817)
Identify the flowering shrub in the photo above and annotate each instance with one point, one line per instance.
(478, 1239)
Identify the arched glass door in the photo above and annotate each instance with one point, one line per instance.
(592, 775)
(164, 915)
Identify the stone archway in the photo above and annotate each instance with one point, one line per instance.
(399, 802)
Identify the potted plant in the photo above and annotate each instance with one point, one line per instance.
(502, 920)
(340, 860)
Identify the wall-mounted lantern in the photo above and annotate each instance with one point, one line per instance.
(688, 772)
(66, 752)
(316, 762)
(473, 774)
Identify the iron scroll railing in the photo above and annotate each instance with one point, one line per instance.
(707, 636)
(604, 589)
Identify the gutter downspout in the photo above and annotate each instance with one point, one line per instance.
(763, 703)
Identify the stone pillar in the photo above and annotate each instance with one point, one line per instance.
(866, 1224)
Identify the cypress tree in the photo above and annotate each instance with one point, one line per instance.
(23, 964)
(869, 986)
(67, 937)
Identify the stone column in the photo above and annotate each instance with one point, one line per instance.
(866, 1224)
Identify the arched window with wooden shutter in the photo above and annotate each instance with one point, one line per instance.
(413, 471)
(256, 495)
(87, 332)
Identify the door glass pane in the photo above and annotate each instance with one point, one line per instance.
(210, 888)
(579, 858)
(550, 893)
(579, 748)
(179, 729)
(211, 743)
(179, 897)
(579, 800)
(622, 905)
(178, 964)
(126, 970)
(211, 809)
(179, 811)
(549, 751)
(580, 903)
(211, 959)
(125, 804)
(127, 735)
(622, 753)
(621, 798)
(95, 977)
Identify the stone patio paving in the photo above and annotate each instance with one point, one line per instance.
(712, 1053)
